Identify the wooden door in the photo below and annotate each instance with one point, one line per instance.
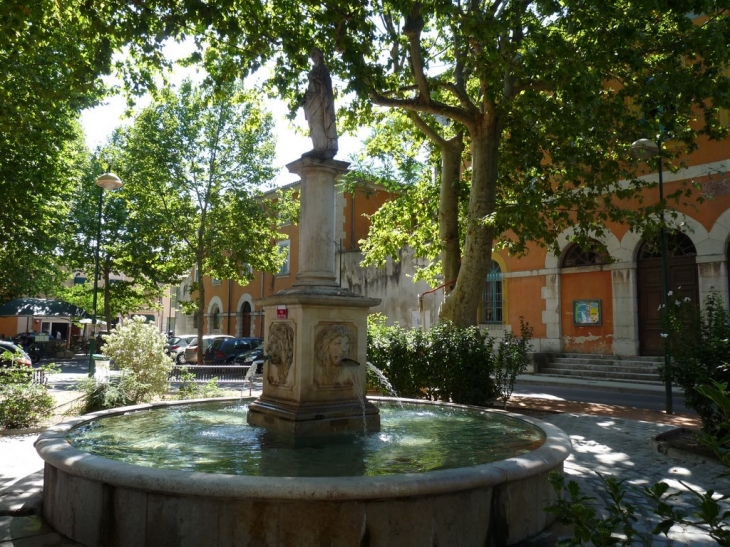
(683, 283)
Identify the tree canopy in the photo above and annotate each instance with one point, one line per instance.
(549, 95)
(545, 96)
(193, 162)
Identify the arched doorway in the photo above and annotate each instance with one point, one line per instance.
(246, 319)
(683, 282)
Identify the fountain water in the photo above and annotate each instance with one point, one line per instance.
(313, 387)
(302, 490)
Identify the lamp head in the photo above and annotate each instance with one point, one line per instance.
(644, 149)
(109, 181)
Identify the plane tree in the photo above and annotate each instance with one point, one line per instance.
(194, 163)
(126, 281)
(548, 95)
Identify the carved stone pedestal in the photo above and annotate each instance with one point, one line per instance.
(311, 382)
(316, 332)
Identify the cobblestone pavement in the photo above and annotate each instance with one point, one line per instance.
(621, 447)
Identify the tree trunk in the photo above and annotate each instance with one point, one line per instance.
(461, 304)
(451, 152)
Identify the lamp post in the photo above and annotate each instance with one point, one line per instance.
(107, 181)
(645, 149)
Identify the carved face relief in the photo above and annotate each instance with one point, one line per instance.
(332, 344)
(280, 349)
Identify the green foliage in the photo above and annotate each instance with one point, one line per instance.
(719, 394)
(117, 391)
(708, 512)
(23, 403)
(189, 389)
(140, 352)
(589, 528)
(512, 359)
(617, 528)
(447, 363)
(700, 347)
(15, 375)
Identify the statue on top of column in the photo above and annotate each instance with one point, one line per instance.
(319, 109)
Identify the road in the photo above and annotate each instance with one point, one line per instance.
(593, 395)
(73, 370)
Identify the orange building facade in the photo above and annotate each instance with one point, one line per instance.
(583, 302)
(578, 302)
(232, 309)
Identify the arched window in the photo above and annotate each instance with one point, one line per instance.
(577, 256)
(678, 245)
(492, 296)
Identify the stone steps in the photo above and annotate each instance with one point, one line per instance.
(603, 367)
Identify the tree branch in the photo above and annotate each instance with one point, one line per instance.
(412, 29)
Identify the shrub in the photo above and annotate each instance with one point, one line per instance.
(511, 360)
(700, 347)
(190, 390)
(616, 525)
(138, 350)
(448, 363)
(23, 403)
(117, 391)
(138, 347)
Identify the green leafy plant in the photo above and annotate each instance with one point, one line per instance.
(23, 403)
(190, 390)
(590, 528)
(710, 508)
(138, 347)
(447, 363)
(708, 512)
(138, 350)
(115, 392)
(512, 359)
(699, 341)
(720, 443)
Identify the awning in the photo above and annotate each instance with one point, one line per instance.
(41, 307)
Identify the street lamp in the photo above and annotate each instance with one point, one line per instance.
(645, 149)
(107, 181)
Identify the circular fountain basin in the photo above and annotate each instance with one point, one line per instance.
(347, 499)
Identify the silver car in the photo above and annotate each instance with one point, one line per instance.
(177, 346)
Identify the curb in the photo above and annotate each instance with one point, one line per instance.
(665, 448)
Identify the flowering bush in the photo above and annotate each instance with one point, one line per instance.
(139, 348)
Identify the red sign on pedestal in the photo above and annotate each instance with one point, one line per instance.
(281, 312)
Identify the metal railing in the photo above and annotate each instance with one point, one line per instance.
(205, 373)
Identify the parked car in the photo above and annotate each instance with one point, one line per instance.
(177, 345)
(225, 350)
(253, 358)
(20, 357)
(191, 351)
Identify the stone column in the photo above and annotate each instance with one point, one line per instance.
(317, 220)
(315, 332)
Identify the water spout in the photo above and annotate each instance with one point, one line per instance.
(347, 362)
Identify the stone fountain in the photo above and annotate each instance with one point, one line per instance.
(316, 333)
(314, 384)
